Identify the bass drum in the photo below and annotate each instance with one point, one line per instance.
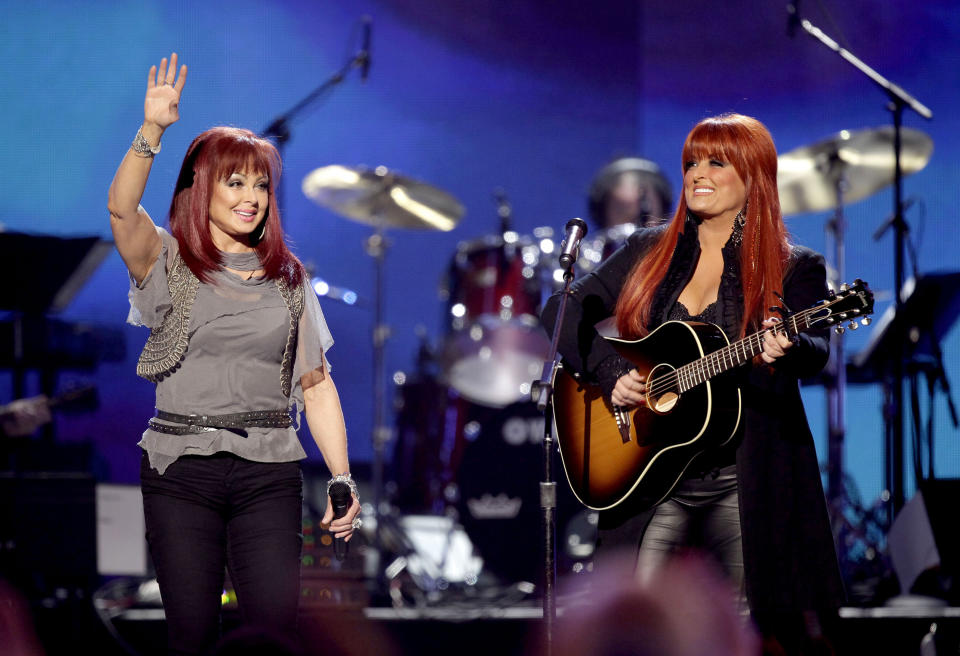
(494, 290)
(484, 466)
(497, 492)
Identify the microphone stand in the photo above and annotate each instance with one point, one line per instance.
(899, 99)
(279, 129)
(542, 394)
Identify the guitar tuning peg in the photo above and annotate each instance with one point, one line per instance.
(844, 287)
(853, 325)
(831, 294)
(866, 321)
(839, 329)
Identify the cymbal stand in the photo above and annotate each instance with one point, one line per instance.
(376, 247)
(899, 99)
(837, 375)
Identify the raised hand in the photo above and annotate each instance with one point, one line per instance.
(161, 105)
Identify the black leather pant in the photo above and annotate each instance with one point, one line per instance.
(702, 514)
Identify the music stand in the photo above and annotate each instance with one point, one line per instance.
(929, 306)
(51, 270)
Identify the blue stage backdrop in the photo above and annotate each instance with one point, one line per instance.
(529, 96)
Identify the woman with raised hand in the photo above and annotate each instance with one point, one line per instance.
(237, 349)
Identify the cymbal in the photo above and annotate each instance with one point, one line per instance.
(860, 160)
(381, 198)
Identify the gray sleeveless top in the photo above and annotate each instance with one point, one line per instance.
(236, 339)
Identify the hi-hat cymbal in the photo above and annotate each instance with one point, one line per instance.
(381, 198)
(861, 161)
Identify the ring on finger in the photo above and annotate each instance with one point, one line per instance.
(357, 523)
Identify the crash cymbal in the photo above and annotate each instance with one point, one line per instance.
(381, 198)
(807, 177)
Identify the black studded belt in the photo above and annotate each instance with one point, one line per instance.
(234, 422)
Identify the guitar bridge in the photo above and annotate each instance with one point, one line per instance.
(622, 415)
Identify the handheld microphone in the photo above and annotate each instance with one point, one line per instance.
(340, 498)
(365, 49)
(570, 248)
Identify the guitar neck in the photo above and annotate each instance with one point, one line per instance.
(740, 352)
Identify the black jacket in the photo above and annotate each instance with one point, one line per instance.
(789, 557)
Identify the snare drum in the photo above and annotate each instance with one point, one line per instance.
(493, 292)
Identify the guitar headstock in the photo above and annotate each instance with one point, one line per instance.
(846, 305)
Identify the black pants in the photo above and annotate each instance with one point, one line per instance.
(713, 527)
(210, 512)
(703, 512)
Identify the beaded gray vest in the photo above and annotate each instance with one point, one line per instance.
(167, 344)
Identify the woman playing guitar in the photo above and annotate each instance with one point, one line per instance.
(756, 503)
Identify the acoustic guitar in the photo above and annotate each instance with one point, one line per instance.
(692, 406)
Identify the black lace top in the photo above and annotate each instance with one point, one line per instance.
(710, 314)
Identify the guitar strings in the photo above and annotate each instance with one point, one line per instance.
(670, 380)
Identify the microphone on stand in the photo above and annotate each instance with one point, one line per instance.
(365, 49)
(570, 248)
(340, 498)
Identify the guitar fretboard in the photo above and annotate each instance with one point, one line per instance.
(733, 355)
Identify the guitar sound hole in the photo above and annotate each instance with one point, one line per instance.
(662, 393)
(665, 402)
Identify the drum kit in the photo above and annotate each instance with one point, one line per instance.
(465, 428)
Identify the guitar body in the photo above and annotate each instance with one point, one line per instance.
(602, 468)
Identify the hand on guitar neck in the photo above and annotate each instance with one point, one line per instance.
(775, 344)
(631, 389)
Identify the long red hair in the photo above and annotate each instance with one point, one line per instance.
(745, 143)
(214, 156)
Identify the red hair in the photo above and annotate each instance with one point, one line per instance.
(745, 143)
(214, 156)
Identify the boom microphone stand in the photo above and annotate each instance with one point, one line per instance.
(279, 128)
(899, 99)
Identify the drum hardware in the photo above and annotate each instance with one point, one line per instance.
(382, 199)
(886, 155)
(344, 295)
(845, 167)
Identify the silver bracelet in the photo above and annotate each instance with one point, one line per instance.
(344, 478)
(142, 146)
